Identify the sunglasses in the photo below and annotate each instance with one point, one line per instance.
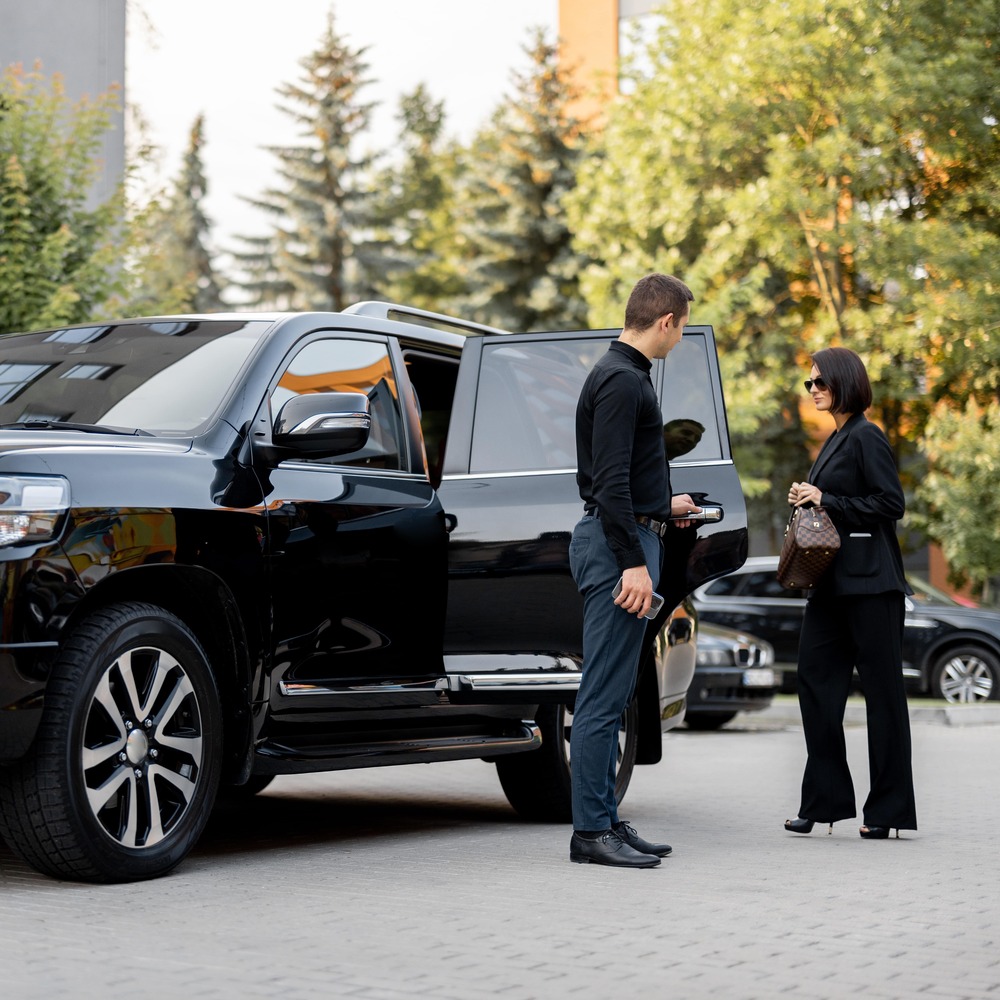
(818, 382)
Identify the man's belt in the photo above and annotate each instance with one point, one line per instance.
(660, 527)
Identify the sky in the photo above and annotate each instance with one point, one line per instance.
(225, 58)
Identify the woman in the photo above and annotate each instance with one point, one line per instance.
(854, 617)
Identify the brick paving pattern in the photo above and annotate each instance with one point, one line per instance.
(419, 882)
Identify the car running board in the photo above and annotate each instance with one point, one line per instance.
(272, 757)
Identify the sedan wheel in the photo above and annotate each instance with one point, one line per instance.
(967, 674)
(128, 752)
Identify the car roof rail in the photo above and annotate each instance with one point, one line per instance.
(421, 317)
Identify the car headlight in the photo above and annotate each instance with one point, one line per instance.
(31, 506)
(715, 657)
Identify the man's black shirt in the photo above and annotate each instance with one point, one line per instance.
(621, 463)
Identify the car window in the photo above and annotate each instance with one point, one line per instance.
(432, 379)
(342, 365)
(690, 428)
(764, 583)
(526, 405)
(725, 586)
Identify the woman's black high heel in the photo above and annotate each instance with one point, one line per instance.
(799, 825)
(876, 832)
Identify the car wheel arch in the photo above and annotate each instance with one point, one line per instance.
(119, 784)
(205, 604)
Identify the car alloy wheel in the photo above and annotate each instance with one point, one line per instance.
(967, 674)
(143, 747)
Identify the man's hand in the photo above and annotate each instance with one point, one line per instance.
(683, 504)
(637, 591)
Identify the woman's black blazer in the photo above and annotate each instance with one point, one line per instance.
(856, 472)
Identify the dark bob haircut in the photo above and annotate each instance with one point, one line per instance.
(844, 372)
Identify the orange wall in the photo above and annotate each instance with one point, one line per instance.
(588, 31)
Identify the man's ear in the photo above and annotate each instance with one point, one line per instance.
(669, 320)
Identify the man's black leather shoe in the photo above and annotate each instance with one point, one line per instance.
(608, 849)
(629, 835)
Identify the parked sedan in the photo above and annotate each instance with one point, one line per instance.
(734, 673)
(949, 651)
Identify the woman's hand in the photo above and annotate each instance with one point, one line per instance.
(801, 494)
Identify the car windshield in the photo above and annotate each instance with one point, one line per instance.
(165, 377)
(924, 593)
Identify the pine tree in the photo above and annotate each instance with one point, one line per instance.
(523, 273)
(322, 253)
(417, 198)
(178, 270)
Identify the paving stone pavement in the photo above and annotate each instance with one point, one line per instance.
(420, 882)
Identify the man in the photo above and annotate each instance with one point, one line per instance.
(624, 480)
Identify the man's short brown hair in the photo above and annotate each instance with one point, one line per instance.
(655, 296)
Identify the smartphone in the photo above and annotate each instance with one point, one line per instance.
(654, 607)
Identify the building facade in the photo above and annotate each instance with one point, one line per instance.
(593, 34)
(83, 41)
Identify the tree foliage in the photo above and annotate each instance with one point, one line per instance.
(321, 253)
(60, 256)
(961, 490)
(178, 270)
(820, 174)
(521, 270)
(416, 208)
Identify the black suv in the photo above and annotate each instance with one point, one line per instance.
(242, 545)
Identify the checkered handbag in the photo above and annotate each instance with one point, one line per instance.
(811, 542)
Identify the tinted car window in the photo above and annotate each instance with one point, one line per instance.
(690, 429)
(725, 586)
(765, 584)
(526, 407)
(350, 366)
(165, 378)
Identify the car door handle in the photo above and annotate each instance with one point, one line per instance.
(710, 513)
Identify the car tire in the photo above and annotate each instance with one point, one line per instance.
(124, 769)
(537, 783)
(708, 720)
(964, 674)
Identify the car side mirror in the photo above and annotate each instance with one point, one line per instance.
(323, 423)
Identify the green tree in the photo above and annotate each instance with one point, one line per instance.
(961, 490)
(522, 270)
(321, 254)
(178, 268)
(60, 257)
(819, 173)
(417, 208)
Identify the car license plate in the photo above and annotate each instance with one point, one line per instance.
(758, 677)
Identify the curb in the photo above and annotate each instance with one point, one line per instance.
(981, 714)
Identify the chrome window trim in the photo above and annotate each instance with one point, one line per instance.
(563, 472)
(354, 470)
